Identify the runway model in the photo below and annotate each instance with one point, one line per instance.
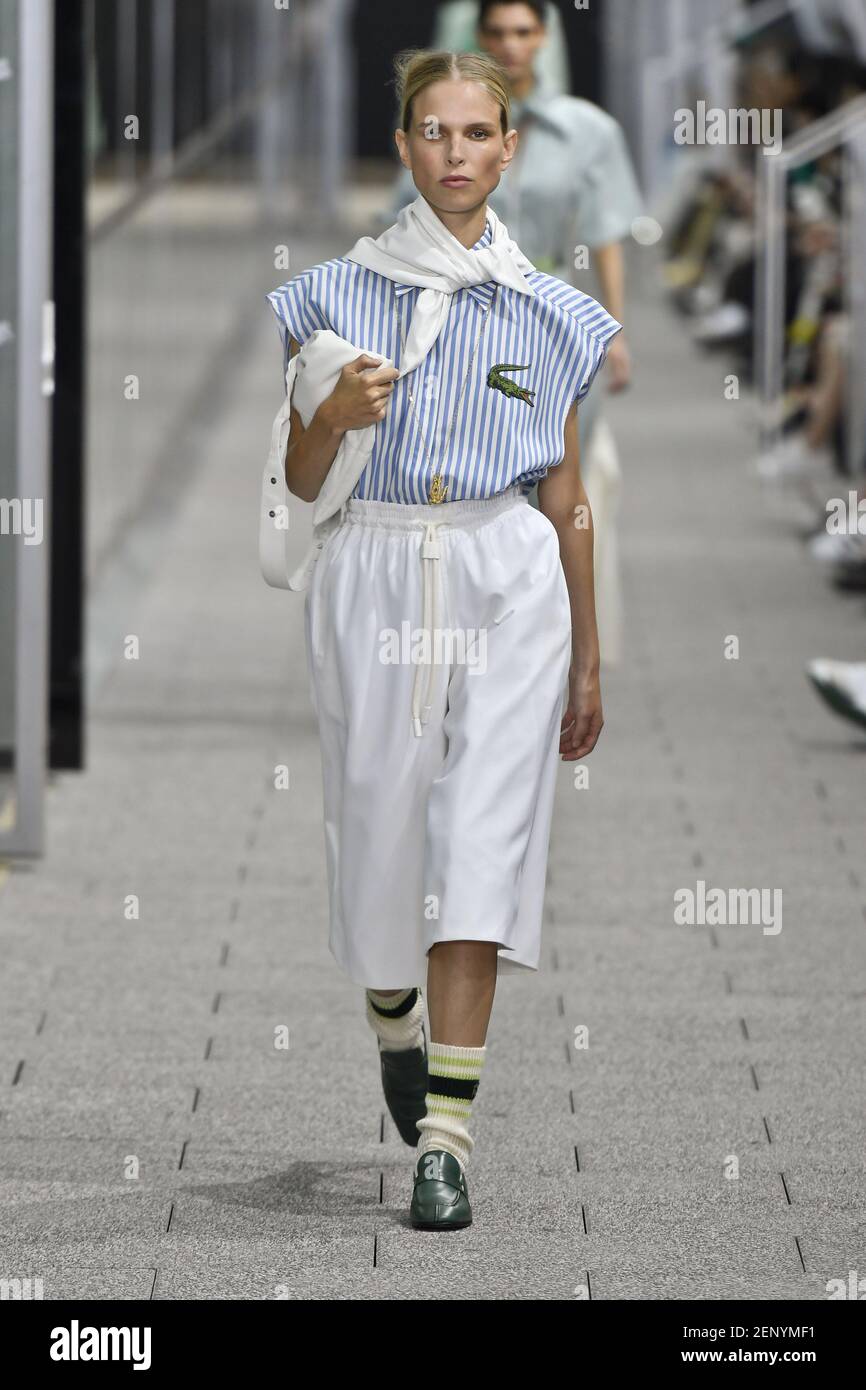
(450, 626)
(569, 193)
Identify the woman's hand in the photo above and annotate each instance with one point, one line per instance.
(583, 719)
(361, 395)
(617, 367)
(562, 498)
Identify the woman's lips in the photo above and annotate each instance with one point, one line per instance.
(455, 180)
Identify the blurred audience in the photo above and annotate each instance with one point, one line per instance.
(710, 273)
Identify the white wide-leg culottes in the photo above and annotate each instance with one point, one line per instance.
(437, 826)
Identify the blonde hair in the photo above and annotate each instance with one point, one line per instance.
(417, 68)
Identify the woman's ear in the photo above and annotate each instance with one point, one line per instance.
(402, 147)
(510, 142)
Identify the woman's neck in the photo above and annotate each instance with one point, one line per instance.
(522, 86)
(467, 227)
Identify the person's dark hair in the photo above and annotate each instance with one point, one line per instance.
(538, 7)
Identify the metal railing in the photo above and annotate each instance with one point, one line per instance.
(22, 829)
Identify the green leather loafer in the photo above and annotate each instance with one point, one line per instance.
(404, 1081)
(440, 1197)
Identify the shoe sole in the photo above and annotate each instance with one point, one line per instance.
(440, 1226)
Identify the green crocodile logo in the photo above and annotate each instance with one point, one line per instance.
(505, 385)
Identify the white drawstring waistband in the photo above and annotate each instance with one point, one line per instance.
(396, 515)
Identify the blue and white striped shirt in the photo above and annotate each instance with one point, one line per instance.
(560, 333)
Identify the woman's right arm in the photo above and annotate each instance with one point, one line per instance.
(356, 401)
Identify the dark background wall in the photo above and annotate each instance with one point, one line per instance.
(382, 27)
(379, 28)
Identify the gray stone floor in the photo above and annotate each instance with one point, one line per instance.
(155, 1142)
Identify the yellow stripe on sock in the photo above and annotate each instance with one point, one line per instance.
(461, 1112)
(441, 1066)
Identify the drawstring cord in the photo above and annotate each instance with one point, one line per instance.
(430, 554)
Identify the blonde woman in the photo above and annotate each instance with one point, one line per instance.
(450, 626)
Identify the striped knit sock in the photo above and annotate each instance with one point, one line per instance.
(453, 1076)
(396, 1019)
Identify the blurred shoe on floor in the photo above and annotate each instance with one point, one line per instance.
(802, 476)
(838, 548)
(842, 685)
(723, 324)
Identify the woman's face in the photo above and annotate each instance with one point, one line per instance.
(455, 135)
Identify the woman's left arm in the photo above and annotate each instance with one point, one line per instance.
(563, 500)
(610, 265)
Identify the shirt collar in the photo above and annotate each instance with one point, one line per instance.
(540, 105)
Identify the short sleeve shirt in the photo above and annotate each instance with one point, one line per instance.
(480, 422)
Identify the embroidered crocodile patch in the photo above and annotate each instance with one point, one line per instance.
(505, 385)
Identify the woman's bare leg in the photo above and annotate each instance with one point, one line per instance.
(461, 982)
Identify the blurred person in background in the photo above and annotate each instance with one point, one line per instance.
(456, 30)
(571, 185)
(445, 798)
